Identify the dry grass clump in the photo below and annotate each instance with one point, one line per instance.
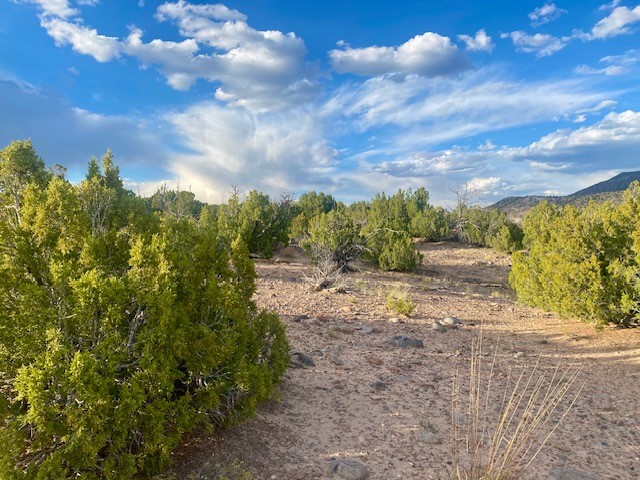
(326, 272)
(500, 425)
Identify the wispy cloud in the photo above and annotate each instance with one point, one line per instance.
(545, 14)
(541, 44)
(613, 64)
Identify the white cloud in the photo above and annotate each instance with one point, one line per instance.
(617, 23)
(614, 64)
(545, 14)
(581, 118)
(541, 44)
(259, 70)
(427, 55)
(599, 107)
(610, 6)
(564, 161)
(82, 39)
(57, 8)
(431, 111)
(484, 186)
(426, 164)
(480, 43)
(272, 152)
(614, 127)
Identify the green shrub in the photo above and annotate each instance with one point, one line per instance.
(120, 329)
(399, 302)
(398, 253)
(582, 263)
(335, 232)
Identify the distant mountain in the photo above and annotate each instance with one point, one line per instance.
(516, 207)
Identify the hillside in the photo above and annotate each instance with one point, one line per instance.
(609, 190)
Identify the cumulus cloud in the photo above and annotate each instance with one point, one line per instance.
(545, 14)
(271, 152)
(57, 8)
(480, 43)
(259, 70)
(427, 55)
(541, 44)
(82, 39)
(618, 22)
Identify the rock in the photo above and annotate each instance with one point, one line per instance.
(379, 386)
(403, 341)
(337, 361)
(518, 355)
(563, 473)
(394, 320)
(437, 326)
(299, 318)
(366, 329)
(300, 360)
(348, 469)
(451, 321)
(375, 361)
(429, 437)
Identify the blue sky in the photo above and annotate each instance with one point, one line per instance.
(350, 97)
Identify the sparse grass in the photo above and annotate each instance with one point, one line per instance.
(498, 430)
(399, 302)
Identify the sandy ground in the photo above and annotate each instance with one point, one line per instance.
(390, 408)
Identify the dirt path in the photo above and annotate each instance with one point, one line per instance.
(390, 407)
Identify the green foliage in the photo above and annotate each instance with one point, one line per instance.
(399, 302)
(120, 329)
(336, 233)
(388, 243)
(487, 228)
(262, 225)
(582, 263)
(398, 253)
(308, 206)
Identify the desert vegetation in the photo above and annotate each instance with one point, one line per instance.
(128, 322)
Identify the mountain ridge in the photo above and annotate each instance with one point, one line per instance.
(516, 207)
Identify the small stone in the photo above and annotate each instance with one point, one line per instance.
(437, 326)
(299, 318)
(518, 355)
(394, 320)
(379, 386)
(451, 321)
(366, 329)
(348, 469)
(429, 438)
(403, 341)
(375, 361)
(300, 360)
(337, 361)
(562, 473)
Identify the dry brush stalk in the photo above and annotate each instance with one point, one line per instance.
(490, 448)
